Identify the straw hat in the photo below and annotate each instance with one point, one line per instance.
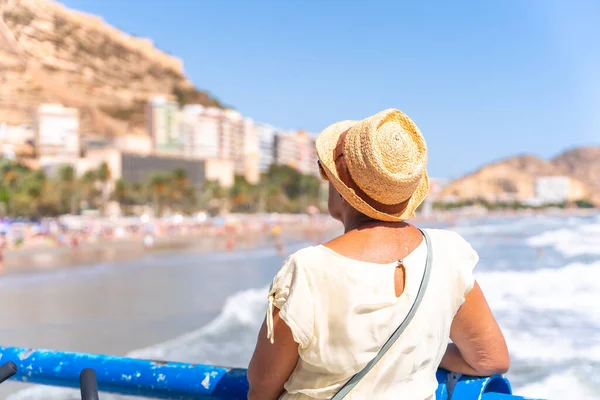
(378, 164)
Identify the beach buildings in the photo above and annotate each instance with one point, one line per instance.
(215, 134)
(306, 153)
(57, 131)
(57, 140)
(209, 144)
(285, 149)
(266, 135)
(251, 151)
(138, 168)
(552, 189)
(200, 130)
(17, 141)
(135, 144)
(162, 124)
(296, 149)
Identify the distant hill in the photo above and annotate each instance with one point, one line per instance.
(515, 177)
(49, 53)
(582, 163)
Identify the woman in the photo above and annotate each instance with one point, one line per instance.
(332, 307)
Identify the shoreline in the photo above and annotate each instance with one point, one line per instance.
(41, 255)
(38, 258)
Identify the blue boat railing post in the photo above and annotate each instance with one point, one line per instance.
(7, 371)
(88, 384)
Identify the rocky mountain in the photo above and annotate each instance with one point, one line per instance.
(514, 178)
(49, 53)
(582, 163)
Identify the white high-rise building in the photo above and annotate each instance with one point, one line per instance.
(266, 141)
(297, 150)
(200, 129)
(233, 139)
(57, 131)
(306, 153)
(286, 150)
(162, 120)
(251, 152)
(212, 133)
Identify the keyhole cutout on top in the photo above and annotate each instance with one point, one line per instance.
(399, 278)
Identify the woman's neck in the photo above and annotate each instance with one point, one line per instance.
(356, 223)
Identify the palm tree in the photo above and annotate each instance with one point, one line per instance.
(31, 192)
(183, 191)
(212, 196)
(103, 174)
(67, 179)
(10, 181)
(179, 184)
(88, 186)
(180, 177)
(119, 193)
(158, 184)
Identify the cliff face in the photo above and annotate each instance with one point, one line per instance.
(514, 178)
(49, 53)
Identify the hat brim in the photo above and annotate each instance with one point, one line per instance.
(326, 143)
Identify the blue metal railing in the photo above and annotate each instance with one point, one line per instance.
(174, 380)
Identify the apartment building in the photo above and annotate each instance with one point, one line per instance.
(57, 131)
(200, 131)
(297, 150)
(163, 128)
(265, 135)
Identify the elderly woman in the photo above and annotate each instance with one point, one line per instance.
(369, 314)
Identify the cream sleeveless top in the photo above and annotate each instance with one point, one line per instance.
(341, 311)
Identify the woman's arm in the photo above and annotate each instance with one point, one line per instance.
(272, 364)
(478, 346)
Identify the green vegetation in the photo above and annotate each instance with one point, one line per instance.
(191, 95)
(29, 193)
(282, 189)
(133, 114)
(584, 204)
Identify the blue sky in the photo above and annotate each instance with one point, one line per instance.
(483, 80)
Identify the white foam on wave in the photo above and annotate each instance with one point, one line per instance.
(543, 313)
(228, 340)
(570, 384)
(576, 240)
(574, 288)
(510, 225)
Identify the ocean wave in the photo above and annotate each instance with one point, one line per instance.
(548, 315)
(573, 288)
(572, 383)
(577, 240)
(228, 340)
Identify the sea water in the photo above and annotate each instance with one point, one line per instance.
(540, 274)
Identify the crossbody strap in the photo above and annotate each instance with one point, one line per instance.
(348, 386)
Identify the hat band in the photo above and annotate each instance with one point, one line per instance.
(346, 178)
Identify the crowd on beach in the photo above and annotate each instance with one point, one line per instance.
(233, 230)
(80, 231)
